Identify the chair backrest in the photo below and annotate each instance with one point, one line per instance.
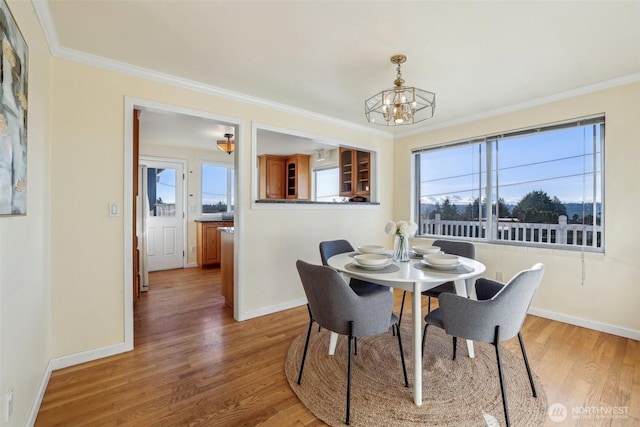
(333, 303)
(330, 248)
(476, 320)
(464, 249)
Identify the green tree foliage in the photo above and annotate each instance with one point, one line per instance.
(538, 207)
(470, 212)
(218, 207)
(449, 211)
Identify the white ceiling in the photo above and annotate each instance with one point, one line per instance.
(326, 57)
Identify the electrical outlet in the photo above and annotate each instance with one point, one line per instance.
(8, 405)
(193, 248)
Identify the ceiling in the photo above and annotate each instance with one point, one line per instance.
(324, 58)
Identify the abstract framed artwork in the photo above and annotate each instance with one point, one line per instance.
(13, 116)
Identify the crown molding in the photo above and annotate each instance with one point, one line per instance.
(620, 81)
(44, 15)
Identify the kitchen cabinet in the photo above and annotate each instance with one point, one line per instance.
(298, 177)
(208, 241)
(272, 172)
(284, 177)
(355, 173)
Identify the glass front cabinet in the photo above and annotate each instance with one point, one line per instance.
(354, 172)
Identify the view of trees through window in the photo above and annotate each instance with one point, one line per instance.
(217, 189)
(541, 185)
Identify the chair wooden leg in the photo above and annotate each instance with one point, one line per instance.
(526, 364)
(306, 345)
(496, 344)
(349, 373)
(404, 366)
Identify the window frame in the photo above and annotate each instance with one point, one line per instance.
(315, 181)
(230, 188)
(490, 223)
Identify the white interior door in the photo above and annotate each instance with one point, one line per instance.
(165, 218)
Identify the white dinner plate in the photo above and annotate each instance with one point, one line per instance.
(373, 267)
(440, 266)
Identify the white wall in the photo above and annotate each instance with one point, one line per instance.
(607, 298)
(24, 244)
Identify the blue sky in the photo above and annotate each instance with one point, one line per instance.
(559, 163)
(214, 185)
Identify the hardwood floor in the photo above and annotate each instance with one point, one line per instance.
(194, 365)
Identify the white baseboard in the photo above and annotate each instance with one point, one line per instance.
(88, 356)
(263, 311)
(35, 408)
(65, 362)
(586, 323)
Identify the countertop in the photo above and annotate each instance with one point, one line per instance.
(312, 202)
(229, 230)
(212, 220)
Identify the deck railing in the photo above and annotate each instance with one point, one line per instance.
(513, 231)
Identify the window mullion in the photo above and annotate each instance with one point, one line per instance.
(490, 235)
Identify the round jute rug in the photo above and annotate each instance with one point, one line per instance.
(464, 392)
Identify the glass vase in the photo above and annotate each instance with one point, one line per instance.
(401, 248)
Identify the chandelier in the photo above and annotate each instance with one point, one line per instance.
(227, 145)
(400, 105)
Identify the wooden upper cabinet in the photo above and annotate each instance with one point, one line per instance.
(298, 177)
(284, 177)
(355, 172)
(272, 173)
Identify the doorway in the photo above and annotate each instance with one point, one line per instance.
(131, 155)
(165, 219)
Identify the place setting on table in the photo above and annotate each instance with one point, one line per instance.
(376, 259)
(372, 259)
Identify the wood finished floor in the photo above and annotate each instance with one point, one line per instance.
(194, 365)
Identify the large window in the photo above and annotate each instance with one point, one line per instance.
(217, 189)
(539, 187)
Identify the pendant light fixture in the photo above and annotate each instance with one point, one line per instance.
(227, 145)
(400, 105)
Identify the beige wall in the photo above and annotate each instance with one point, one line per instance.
(24, 244)
(87, 245)
(609, 293)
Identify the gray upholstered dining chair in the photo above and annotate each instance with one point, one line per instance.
(496, 316)
(336, 307)
(464, 249)
(329, 248)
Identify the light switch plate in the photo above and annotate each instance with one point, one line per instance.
(114, 209)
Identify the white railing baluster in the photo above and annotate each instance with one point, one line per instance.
(513, 231)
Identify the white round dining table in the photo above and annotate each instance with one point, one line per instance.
(413, 276)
